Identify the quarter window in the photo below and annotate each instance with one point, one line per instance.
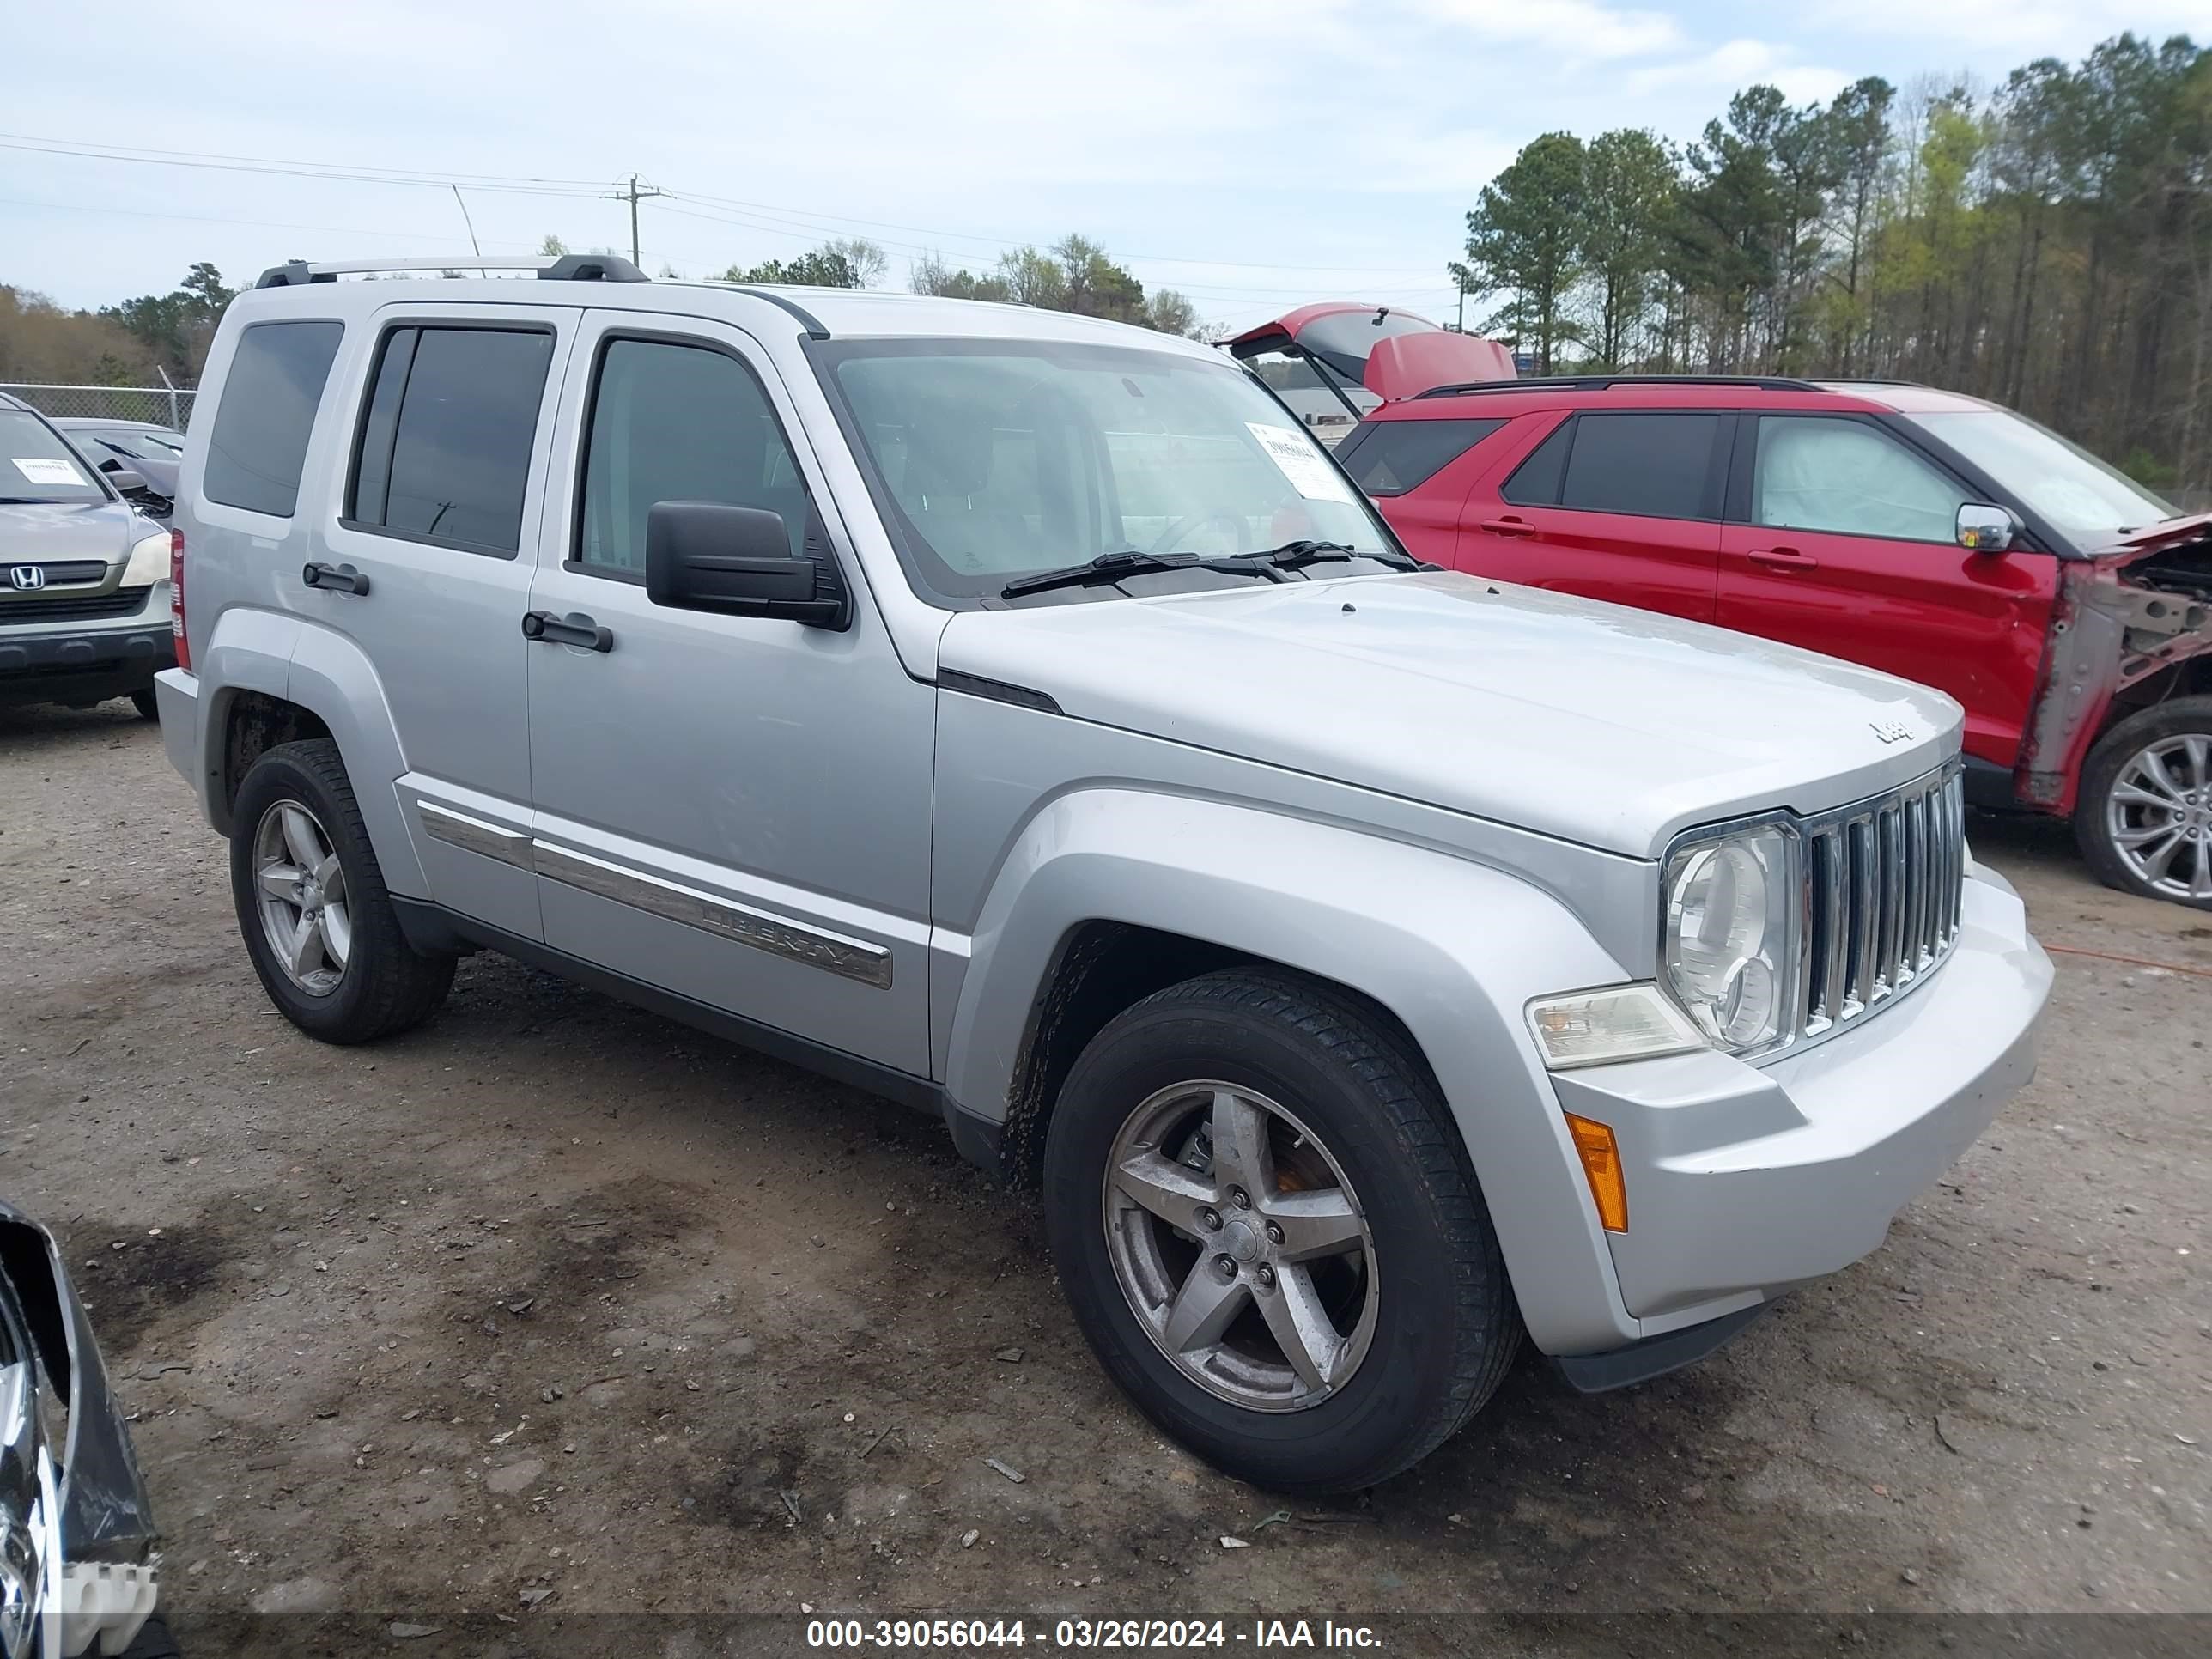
(1815, 472)
(266, 414)
(673, 423)
(1388, 457)
(446, 443)
(1535, 482)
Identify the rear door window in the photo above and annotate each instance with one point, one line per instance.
(266, 414)
(445, 442)
(1388, 457)
(1654, 466)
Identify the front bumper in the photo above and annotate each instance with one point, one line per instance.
(83, 666)
(1743, 1181)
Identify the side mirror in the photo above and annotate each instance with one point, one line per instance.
(709, 556)
(1986, 529)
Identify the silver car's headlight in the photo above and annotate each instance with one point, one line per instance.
(22, 1506)
(149, 561)
(1730, 938)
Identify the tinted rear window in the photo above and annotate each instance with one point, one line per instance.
(1657, 466)
(266, 415)
(445, 450)
(1388, 457)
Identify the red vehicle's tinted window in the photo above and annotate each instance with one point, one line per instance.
(1654, 465)
(1388, 457)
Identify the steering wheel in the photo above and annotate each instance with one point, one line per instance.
(1180, 530)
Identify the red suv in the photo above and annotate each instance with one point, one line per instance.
(1937, 536)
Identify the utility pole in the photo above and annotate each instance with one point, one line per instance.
(633, 193)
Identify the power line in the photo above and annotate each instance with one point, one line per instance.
(815, 221)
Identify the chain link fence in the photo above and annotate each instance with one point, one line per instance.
(169, 406)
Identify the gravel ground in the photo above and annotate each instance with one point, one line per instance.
(552, 1310)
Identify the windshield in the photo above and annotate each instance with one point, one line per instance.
(1002, 459)
(2064, 482)
(36, 465)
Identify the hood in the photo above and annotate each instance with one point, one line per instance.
(62, 532)
(2170, 532)
(1596, 723)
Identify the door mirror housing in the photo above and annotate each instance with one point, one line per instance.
(710, 555)
(1986, 529)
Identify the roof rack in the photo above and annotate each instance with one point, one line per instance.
(568, 268)
(1606, 382)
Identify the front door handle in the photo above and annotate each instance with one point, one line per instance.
(1783, 558)
(336, 578)
(575, 629)
(1508, 528)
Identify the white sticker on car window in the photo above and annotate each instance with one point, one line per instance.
(1293, 453)
(40, 471)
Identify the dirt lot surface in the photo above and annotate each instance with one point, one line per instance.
(552, 1310)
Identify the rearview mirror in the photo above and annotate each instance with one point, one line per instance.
(1986, 529)
(710, 555)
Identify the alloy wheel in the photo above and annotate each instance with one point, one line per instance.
(1241, 1246)
(2159, 816)
(301, 888)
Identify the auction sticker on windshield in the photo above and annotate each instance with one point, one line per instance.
(47, 472)
(1293, 452)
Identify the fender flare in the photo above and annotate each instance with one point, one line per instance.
(1454, 949)
(298, 662)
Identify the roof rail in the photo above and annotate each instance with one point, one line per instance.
(568, 268)
(1606, 382)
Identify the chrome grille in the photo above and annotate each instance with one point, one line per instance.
(1882, 884)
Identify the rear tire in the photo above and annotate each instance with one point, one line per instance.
(1420, 1325)
(2144, 815)
(299, 853)
(148, 704)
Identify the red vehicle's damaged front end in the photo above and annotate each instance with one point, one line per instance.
(2129, 629)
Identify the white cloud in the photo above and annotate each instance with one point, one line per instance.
(1734, 65)
(1578, 30)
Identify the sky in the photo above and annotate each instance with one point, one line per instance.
(1254, 153)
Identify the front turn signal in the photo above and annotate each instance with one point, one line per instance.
(1601, 1159)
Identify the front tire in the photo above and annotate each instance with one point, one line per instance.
(2144, 815)
(312, 904)
(1270, 1236)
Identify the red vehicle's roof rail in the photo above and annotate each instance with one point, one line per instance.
(1605, 382)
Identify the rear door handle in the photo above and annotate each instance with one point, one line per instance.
(1783, 558)
(336, 578)
(575, 629)
(1508, 528)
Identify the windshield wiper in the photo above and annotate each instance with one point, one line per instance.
(1109, 567)
(1296, 555)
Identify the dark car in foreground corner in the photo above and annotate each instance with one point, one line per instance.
(79, 1571)
(84, 577)
(1934, 535)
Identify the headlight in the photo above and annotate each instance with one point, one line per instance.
(20, 1580)
(1731, 935)
(149, 561)
(22, 1507)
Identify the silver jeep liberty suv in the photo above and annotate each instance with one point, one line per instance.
(1021, 716)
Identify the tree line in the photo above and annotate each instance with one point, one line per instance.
(134, 343)
(2046, 242)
